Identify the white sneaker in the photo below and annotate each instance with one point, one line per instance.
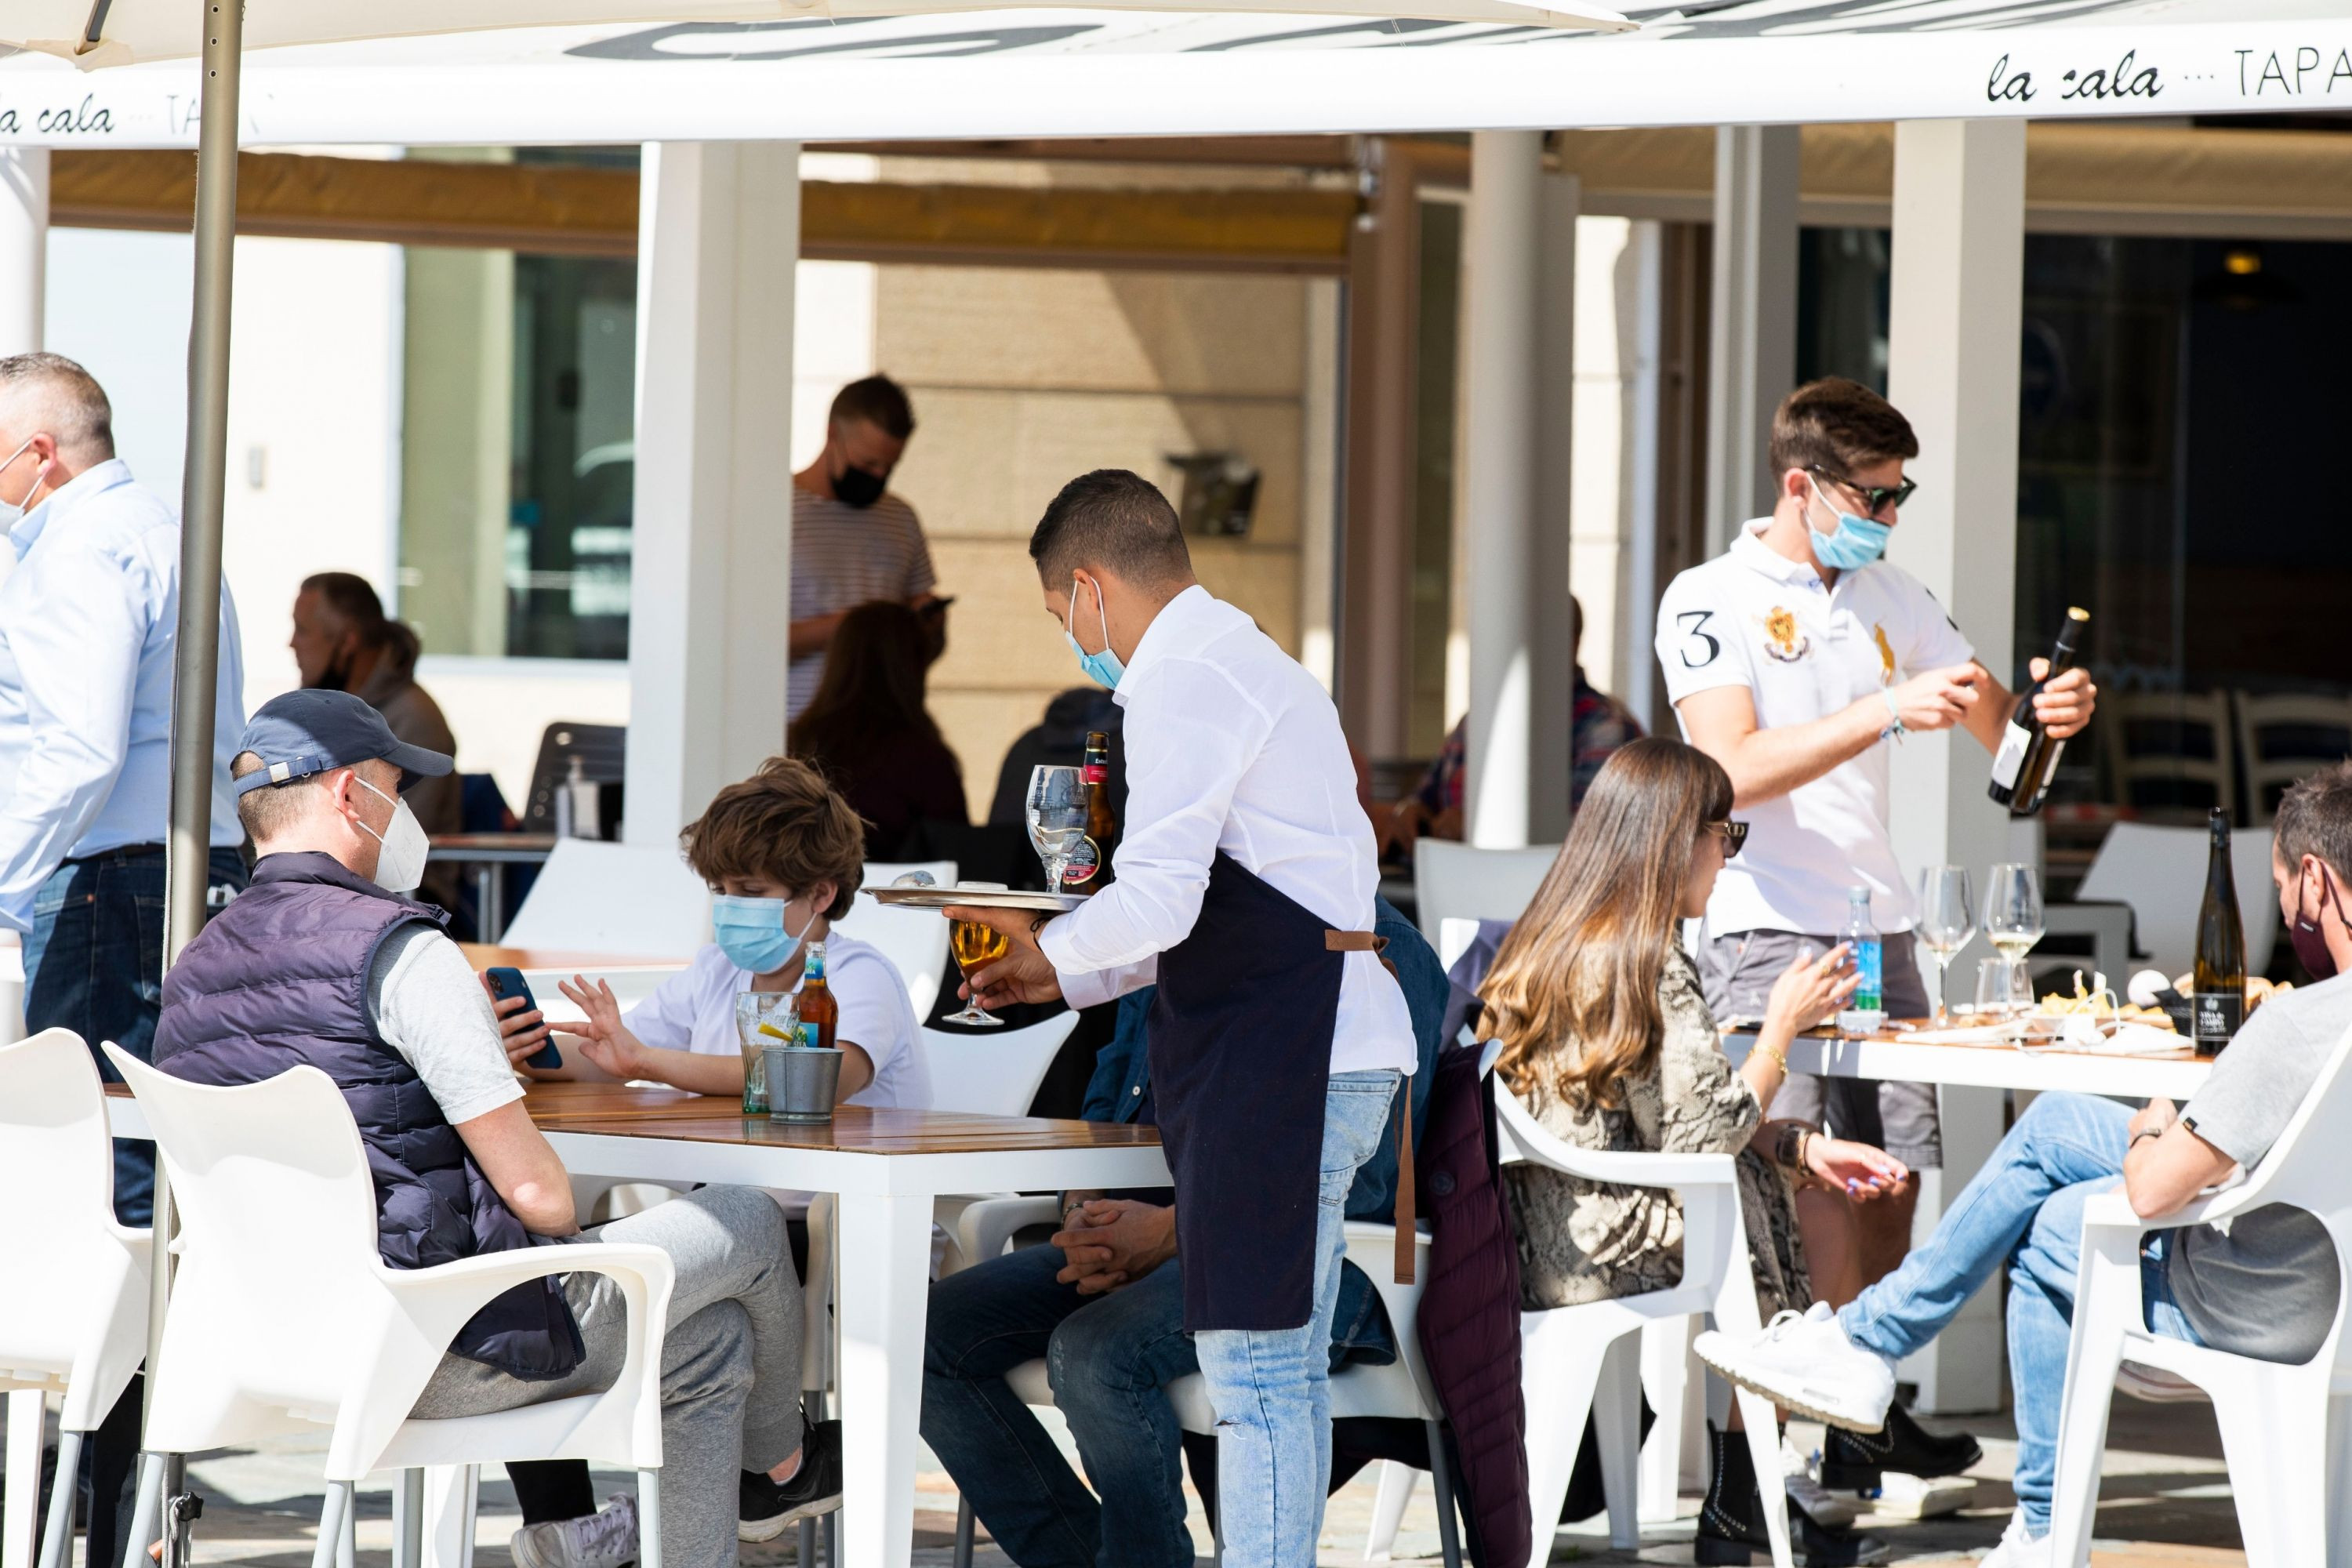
(2017, 1549)
(1831, 1511)
(1917, 1497)
(606, 1538)
(1807, 1365)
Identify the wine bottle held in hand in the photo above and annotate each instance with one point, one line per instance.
(2028, 758)
(2219, 976)
(1864, 1012)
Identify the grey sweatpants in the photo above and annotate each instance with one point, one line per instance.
(730, 1359)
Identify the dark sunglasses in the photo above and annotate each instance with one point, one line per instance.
(1875, 497)
(1734, 833)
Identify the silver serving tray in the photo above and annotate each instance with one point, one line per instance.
(975, 898)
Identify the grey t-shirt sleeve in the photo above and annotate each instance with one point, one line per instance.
(429, 1007)
(2265, 1073)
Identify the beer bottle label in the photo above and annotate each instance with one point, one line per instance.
(1085, 861)
(2219, 1013)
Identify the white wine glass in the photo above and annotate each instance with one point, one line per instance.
(1057, 816)
(1948, 918)
(2012, 911)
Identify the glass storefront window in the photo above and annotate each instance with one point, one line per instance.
(517, 453)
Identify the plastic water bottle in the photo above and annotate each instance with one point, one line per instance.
(1864, 1012)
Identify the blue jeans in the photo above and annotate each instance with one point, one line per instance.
(94, 964)
(1110, 1357)
(1271, 1388)
(2024, 1206)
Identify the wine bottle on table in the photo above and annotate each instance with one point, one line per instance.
(2219, 976)
(2028, 758)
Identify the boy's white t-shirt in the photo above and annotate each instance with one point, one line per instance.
(1753, 617)
(694, 1011)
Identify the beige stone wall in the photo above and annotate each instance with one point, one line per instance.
(1021, 381)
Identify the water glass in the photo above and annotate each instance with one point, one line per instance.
(753, 1008)
(1946, 920)
(1056, 812)
(2004, 989)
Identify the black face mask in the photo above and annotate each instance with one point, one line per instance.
(336, 677)
(855, 487)
(2310, 945)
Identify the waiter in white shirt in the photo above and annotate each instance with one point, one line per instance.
(89, 619)
(1797, 660)
(1244, 889)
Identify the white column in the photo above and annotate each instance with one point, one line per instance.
(24, 246)
(719, 237)
(1552, 686)
(1957, 314)
(1752, 326)
(1501, 361)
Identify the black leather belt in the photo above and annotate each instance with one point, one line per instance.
(123, 852)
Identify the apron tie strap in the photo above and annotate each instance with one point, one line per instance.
(1372, 942)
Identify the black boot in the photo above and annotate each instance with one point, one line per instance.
(1731, 1526)
(1854, 1461)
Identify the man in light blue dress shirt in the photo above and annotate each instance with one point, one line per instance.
(89, 616)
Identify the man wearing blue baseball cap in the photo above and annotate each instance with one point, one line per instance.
(325, 962)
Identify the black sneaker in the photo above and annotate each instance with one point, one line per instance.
(764, 1508)
(1854, 1461)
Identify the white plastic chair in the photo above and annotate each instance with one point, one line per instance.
(634, 901)
(77, 1317)
(1455, 881)
(1400, 1390)
(992, 1075)
(284, 1318)
(1580, 1360)
(914, 939)
(2282, 1426)
(2160, 871)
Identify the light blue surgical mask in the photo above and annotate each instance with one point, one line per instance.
(752, 931)
(1857, 542)
(10, 515)
(1105, 667)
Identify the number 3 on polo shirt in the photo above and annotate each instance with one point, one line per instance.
(1700, 646)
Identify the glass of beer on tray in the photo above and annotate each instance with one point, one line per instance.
(975, 947)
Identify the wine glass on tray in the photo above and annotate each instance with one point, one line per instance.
(1056, 812)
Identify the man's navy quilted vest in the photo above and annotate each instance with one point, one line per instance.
(278, 980)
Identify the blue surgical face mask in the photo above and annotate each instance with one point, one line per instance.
(1857, 542)
(752, 933)
(10, 515)
(1105, 667)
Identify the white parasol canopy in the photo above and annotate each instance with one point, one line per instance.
(947, 71)
(94, 33)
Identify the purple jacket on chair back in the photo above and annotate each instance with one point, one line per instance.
(278, 980)
(1470, 1307)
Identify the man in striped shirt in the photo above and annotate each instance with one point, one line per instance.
(853, 542)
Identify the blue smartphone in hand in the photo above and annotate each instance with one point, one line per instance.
(507, 980)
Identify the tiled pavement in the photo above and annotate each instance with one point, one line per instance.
(2166, 1505)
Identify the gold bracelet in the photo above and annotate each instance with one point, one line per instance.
(1779, 1057)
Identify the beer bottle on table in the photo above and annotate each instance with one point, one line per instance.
(1864, 1012)
(2028, 758)
(1090, 865)
(820, 1009)
(2218, 976)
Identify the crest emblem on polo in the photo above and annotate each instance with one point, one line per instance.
(1783, 640)
(1885, 655)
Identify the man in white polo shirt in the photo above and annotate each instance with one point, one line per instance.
(1798, 659)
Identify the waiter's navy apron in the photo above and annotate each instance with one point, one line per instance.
(1240, 1035)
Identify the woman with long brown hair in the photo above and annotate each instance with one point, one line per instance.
(1607, 1041)
(869, 733)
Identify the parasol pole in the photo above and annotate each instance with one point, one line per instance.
(197, 655)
